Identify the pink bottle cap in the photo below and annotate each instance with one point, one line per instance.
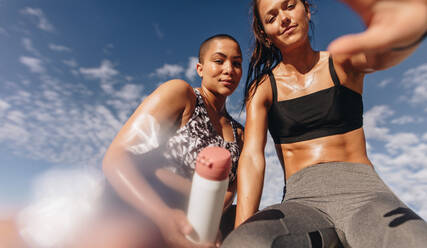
(213, 163)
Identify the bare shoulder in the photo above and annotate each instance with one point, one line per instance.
(261, 93)
(176, 88)
(350, 70)
(356, 65)
(174, 91)
(170, 100)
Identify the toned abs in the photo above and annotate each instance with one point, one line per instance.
(348, 147)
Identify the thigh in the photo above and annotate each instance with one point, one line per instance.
(386, 222)
(285, 225)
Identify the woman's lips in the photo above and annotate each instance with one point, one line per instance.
(227, 82)
(289, 29)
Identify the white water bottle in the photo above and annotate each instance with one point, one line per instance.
(210, 182)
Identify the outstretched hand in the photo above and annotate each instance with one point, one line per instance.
(390, 24)
(175, 228)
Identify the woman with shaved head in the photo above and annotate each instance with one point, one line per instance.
(152, 159)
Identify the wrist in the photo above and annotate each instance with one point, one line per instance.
(161, 214)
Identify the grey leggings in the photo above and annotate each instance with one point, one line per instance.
(334, 205)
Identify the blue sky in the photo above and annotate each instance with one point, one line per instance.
(71, 73)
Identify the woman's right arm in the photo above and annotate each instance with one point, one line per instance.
(394, 30)
(127, 165)
(126, 156)
(251, 168)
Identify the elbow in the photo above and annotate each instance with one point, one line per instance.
(251, 168)
(252, 162)
(113, 159)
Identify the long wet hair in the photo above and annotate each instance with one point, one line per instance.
(265, 55)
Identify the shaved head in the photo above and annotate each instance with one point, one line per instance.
(206, 43)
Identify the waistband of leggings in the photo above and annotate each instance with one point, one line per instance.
(331, 166)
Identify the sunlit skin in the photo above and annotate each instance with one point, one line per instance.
(171, 105)
(303, 71)
(143, 137)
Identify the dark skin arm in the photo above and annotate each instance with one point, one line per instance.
(123, 168)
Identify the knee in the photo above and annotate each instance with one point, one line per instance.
(258, 231)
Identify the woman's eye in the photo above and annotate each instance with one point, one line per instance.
(218, 61)
(271, 19)
(237, 64)
(291, 6)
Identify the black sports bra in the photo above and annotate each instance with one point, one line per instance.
(330, 111)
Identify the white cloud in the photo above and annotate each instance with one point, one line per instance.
(59, 48)
(51, 125)
(43, 23)
(53, 128)
(71, 63)
(168, 70)
(34, 64)
(375, 117)
(415, 81)
(28, 45)
(406, 119)
(14, 134)
(190, 73)
(129, 92)
(400, 141)
(16, 116)
(384, 83)
(3, 106)
(174, 70)
(425, 137)
(104, 72)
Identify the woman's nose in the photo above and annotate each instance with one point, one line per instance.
(284, 19)
(227, 67)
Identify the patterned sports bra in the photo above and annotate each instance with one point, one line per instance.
(183, 146)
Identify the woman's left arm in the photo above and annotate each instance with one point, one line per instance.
(395, 28)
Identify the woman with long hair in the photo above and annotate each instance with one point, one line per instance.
(152, 159)
(311, 102)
